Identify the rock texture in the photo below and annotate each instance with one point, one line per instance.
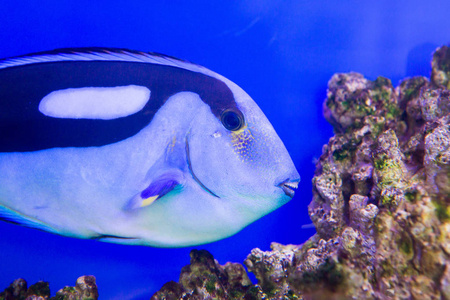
(381, 196)
(85, 289)
(204, 278)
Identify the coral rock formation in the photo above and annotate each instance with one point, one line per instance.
(204, 278)
(85, 289)
(381, 196)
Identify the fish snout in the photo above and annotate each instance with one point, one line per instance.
(289, 186)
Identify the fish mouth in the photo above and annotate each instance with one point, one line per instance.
(188, 158)
(289, 186)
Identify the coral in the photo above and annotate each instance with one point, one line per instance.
(381, 195)
(85, 289)
(18, 290)
(205, 278)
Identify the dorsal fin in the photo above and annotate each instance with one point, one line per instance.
(103, 54)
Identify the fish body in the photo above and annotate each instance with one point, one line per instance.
(134, 148)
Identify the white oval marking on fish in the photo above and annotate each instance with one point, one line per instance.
(95, 102)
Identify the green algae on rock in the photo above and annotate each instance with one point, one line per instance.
(205, 278)
(85, 289)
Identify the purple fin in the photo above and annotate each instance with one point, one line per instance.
(159, 188)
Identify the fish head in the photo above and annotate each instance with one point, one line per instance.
(239, 158)
(231, 169)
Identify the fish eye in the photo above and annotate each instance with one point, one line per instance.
(232, 119)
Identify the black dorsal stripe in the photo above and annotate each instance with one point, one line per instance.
(24, 128)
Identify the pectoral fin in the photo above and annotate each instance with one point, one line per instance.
(156, 190)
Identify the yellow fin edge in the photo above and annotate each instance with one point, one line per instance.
(148, 201)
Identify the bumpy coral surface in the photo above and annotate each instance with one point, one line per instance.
(85, 289)
(205, 278)
(381, 196)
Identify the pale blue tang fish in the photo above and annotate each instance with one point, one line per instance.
(134, 148)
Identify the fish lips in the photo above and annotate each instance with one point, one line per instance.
(289, 186)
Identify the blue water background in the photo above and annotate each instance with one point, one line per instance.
(281, 52)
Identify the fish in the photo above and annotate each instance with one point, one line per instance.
(134, 148)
